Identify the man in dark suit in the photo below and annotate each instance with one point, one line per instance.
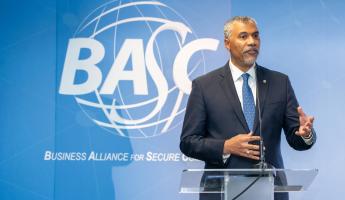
(222, 122)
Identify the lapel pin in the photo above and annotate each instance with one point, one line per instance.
(264, 81)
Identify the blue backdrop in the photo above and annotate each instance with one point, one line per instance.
(53, 146)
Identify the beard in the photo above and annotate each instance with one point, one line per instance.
(249, 60)
(250, 55)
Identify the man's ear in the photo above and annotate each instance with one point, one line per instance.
(227, 44)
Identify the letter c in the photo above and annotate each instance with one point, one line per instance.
(180, 72)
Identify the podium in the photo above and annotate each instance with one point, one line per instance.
(244, 184)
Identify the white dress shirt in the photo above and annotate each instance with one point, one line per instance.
(238, 80)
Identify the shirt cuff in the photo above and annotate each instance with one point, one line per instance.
(225, 157)
(309, 140)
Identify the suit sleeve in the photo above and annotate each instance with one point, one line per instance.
(291, 121)
(195, 141)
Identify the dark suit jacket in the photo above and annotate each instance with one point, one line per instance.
(214, 114)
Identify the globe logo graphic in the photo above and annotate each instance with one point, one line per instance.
(146, 101)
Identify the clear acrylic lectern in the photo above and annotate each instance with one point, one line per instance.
(244, 184)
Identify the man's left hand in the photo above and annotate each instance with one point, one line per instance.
(305, 123)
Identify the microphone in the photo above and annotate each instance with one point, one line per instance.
(262, 164)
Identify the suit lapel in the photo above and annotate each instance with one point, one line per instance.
(262, 88)
(228, 86)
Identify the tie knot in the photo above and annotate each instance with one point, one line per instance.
(245, 77)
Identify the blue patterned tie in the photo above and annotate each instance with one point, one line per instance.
(248, 102)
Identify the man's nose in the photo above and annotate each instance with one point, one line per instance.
(251, 41)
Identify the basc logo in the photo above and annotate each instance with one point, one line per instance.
(129, 67)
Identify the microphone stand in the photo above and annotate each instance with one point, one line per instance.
(262, 164)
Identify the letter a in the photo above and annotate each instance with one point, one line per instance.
(134, 48)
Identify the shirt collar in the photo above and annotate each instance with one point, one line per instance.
(237, 73)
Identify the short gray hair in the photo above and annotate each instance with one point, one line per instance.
(228, 24)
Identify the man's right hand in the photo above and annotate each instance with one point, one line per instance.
(239, 145)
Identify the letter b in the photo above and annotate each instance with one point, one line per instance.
(73, 63)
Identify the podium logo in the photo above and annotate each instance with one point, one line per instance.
(130, 66)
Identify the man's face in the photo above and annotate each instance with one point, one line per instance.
(243, 44)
